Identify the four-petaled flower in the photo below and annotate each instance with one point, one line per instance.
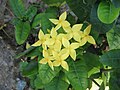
(70, 48)
(42, 38)
(47, 59)
(61, 22)
(86, 37)
(60, 60)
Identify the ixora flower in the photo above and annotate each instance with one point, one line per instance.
(70, 48)
(42, 38)
(47, 59)
(58, 46)
(60, 60)
(74, 32)
(61, 22)
(86, 37)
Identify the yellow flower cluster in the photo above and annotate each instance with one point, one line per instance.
(57, 46)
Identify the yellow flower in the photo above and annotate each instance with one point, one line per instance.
(86, 37)
(47, 59)
(54, 41)
(42, 39)
(60, 60)
(74, 32)
(70, 48)
(61, 22)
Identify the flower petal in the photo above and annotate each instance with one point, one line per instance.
(83, 41)
(67, 29)
(45, 54)
(63, 16)
(91, 40)
(55, 21)
(41, 35)
(65, 65)
(58, 27)
(65, 42)
(77, 27)
(57, 46)
(69, 36)
(64, 53)
(56, 63)
(65, 24)
(38, 43)
(50, 41)
(43, 61)
(51, 65)
(76, 36)
(74, 45)
(87, 30)
(73, 54)
(53, 33)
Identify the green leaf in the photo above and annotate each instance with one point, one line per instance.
(18, 7)
(107, 13)
(116, 3)
(34, 52)
(57, 84)
(43, 20)
(31, 12)
(53, 2)
(25, 52)
(113, 38)
(97, 25)
(80, 8)
(22, 30)
(30, 69)
(111, 58)
(46, 74)
(22, 65)
(91, 61)
(38, 83)
(77, 75)
(114, 82)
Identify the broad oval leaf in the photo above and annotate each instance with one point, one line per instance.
(30, 69)
(77, 75)
(22, 30)
(111, 58)
(57, 84)
(97, 25)
(107, 12)
(46, 74)
(113, 38)
(114, 82)
(18, 7)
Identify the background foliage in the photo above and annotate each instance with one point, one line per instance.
(99, 62)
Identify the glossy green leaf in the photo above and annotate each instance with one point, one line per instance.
(116, 3)
(38, 83)
(18, 7)
(53, 2)
(31, 12)
(22, 30)
(77, 75)
(91, 61)
(57, 84)
(111, 58)
(97, 25)
(114, 82)
(46, 74)
(81, 8)
(42, 19)
(30, 69)
(113, 38)
(107, 12)
(34, 52)
(22, 65)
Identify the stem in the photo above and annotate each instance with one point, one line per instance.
(6, 34)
